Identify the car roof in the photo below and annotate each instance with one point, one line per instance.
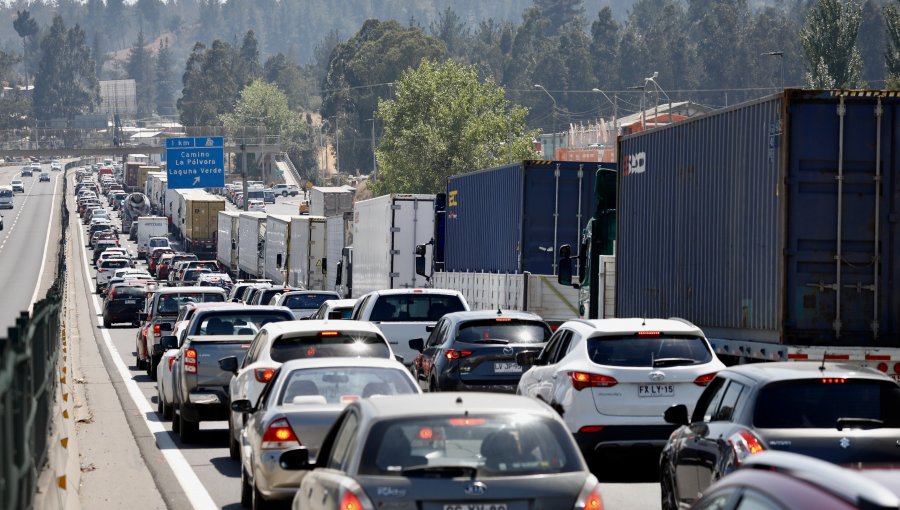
(394, 292)
(308, 292)
(791, 370)
(235, 307)
(189, 290)
(311, 326)
(631, 325)
(444, 403)
(475, 315)
(337, 361)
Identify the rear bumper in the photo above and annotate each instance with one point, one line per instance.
(450, 383)
(206, 404)
(273, 481)
(623, 436)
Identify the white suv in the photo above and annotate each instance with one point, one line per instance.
(612, 379)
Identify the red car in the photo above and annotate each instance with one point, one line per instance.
(155, 256)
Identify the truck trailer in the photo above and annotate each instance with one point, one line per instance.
(227, 240)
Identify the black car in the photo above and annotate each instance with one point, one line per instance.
(840, 413)
(124, 303)
(476, 350)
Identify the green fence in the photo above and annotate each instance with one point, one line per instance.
(28, 361)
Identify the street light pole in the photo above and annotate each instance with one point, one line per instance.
(553, 154)
(615, 107)
(659, 89)
(780, 55)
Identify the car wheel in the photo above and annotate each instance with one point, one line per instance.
(106, 323)
(166, 411)
(667, 492)
(234, 449)
(159, 403)
(176, 421)
(151, 370)
(187, 430)
(259, 502)
(284, 193)
(246, 489)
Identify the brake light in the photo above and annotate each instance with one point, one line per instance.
(582, 380)
(589, 498)
(503, 319)
(833, 380)
(456, 354)
(744, 444)
(588, 429)
(157, 330)
(704, 379)
(648, 333)
(264, 375)
(279, 436)
(466, 422)
(112, 293)
(594, 501)
(190, 361)
(329, 333)
(349, 501)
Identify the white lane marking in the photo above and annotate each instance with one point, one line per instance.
(19, 213)
(193, 488)
(37, 285)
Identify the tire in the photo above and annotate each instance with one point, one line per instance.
(284, 193)
(667, 492)
(234, 448)
(187, 430)
(246, 489)
(176, 422)
(106, 323)
(151, 370)
(167, 411)
(159, 403)
(258, 502)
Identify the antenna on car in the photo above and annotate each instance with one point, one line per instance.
(824, 356)
(644, 318)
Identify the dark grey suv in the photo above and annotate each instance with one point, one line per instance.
(840, 413)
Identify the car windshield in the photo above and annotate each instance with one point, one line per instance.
(503, 329)
(414, 307)
(821, 403)
(328, 344)
(237, 322)
(490, 445)
(648, 350)
(307, 301)
(168, 303)
(344, 384)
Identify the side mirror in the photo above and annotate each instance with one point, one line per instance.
(420, 260)
(676, 415)
(242, 406)
(526, 358)
(564, 271)
(335, 315)
(229, 364)
(399, 358)
(169, 342)
(417, 344)
(297, 459)
(278, 260)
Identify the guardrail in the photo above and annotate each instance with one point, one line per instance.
(28, 384)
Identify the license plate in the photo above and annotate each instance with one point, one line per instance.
(476, 506)
(656, 390)
(507, 367)
(130, 302)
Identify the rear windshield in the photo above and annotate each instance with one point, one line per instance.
(114, 264)
(267, 295)
(414, 307)
(343, 384)
(155, 243)
(169, 303)
(6, 193)
(495, 445)
(328, 345)
(503, 330)
(648, 351)
(307, 301)
(820, 403)
(237, 322)
(130, 292)
(240, 291)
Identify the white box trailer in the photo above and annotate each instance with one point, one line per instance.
(325, 201)
(339, 235)
(278, 256)
(307, 250)
(386, 230)
(147, 227)
(251, 243)
(227, 240)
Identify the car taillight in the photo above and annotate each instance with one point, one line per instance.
(190, 361)
(350, 501)
(112, 293)
(456, 354)
(582, 380)
(264, 375)
(157, 330)
(704, 379)
(279, 436)
(744, 444)
(589, 498)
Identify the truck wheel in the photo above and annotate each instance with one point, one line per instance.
(187, 430)
(234, 449)
(284, 193)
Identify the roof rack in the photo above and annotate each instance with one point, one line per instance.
(844, 483)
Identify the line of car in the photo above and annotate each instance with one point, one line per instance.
(322, 410)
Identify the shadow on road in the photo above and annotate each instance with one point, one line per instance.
(207, 438)
(227, 466)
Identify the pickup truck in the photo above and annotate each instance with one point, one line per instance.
(404, 314)
(200, 385)
(159, 319)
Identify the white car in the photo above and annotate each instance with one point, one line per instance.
(612, 379)
(342, 307)
(255, 205)
(56, 166)
(286, 189)
(17, 185)
(278, 342)
(105, 270)
(304, 303)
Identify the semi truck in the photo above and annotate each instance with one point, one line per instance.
(196, 219)
(772, 225)
(251, 244)
(296, 250)
(227, 240)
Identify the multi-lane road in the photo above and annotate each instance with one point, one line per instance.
(27, 242)
(203, 475)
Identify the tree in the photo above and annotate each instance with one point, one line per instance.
(27, 28)
(15, 107)
(604, 39)
(871, 40)
(296, 83)
(452, 30)
(560, 13)
(247, 69)
(445, 121)
(210, 88)
(65, 84)
(139, 67)
(892, 52)
(829, 45)
(164, 84)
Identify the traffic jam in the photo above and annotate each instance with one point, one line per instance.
(342, 388)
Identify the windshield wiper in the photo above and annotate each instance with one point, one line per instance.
(863, 423)
(668, 362)
(427, 471)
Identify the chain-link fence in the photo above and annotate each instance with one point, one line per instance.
(28, 361)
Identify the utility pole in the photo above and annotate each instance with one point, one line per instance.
(780, 55)
(374, 161)
(553, 154)
(244, 174)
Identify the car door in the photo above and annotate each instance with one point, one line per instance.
(545, 365)
(433, 348)
(713, 446)
(322, 488)
(253, 431)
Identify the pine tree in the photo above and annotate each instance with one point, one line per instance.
(164, 79)
(559, 12)
(829, 45)
(66, 83)
(139, 68)
(27, 28)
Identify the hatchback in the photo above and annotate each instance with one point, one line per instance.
(17, 186)
(123, 304)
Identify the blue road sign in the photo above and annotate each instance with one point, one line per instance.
(195, 162)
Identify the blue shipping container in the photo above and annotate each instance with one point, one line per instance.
(775, 220)
(512, 219)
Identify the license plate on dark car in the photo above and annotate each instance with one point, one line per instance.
(507, 367)
(476, 506)
(130, 302)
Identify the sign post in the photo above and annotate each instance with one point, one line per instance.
(195, 162)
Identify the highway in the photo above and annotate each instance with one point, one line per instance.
(203, 475)
(24, 250)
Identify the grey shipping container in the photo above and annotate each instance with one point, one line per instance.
(330, 201)
(513, 218)
(776, 220)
